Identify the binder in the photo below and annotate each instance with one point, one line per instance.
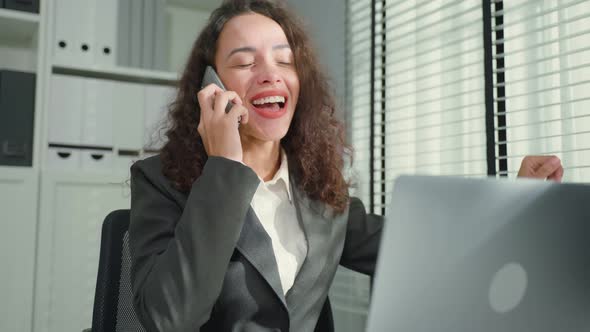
(128, 105)
(105, 27)
(17, 109)
(84, 34)
(96, 160)
(64, 41)
(136, 22)
(31, 6)
(65, 109)
(149, 16)
(74, 32)
(161, 61)
(123, 33)
(63, 158)
(124, 159)
(97, 114)
(157, 99)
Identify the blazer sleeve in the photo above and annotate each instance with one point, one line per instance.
(363, 237)
(180, 255)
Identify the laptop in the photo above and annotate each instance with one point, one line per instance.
(483, 255)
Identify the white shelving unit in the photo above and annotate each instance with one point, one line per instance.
(73, 201)
(52, 215)
(20, 50)
(18, 26)
(73, 207)
(18, 211)
(118, 74)
(19, 40)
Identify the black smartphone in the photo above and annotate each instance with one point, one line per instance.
(211, 76)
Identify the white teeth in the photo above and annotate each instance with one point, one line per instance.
(271, 99)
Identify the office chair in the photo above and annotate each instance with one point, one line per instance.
(113, 307)
(113, 301)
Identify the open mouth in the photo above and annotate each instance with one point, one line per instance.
(272, 102)
(270, 106)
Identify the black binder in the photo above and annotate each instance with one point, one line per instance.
(17, 117)
(22, 5)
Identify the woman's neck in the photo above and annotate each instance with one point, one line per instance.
(264, 158)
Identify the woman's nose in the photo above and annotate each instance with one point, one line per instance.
(268, 75)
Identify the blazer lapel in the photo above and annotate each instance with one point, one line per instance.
(317, 229)
(256, 246)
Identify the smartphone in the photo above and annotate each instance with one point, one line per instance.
(212, 77)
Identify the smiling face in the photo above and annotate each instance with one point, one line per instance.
(255, 60)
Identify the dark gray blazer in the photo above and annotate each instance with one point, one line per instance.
(203, 261)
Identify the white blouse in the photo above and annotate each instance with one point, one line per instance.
(273, 205)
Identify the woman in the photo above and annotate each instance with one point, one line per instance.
(241, 227)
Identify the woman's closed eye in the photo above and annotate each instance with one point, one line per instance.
(284, 60)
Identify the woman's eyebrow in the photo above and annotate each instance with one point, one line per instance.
(250, 49)
(247, 49)
(280, 46)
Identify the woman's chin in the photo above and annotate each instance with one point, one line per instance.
(266, 133)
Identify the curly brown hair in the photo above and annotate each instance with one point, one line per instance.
(314, 143)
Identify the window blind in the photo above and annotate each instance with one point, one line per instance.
(429, 114)
(349, 294)
(415, 100)
(359, 57)
(464, 88)
(545, 64)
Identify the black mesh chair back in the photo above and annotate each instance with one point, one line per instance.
(113, 307)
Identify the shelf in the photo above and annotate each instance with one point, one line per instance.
(7, 172)
(17, 26)
(206, 5)
(113, 177)
(135, 75)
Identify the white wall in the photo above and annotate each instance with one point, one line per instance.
(182, 39)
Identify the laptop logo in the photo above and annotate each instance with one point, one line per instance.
(507, 288)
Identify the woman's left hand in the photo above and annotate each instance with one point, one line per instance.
(541, 167)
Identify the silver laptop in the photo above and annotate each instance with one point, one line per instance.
(483, 255)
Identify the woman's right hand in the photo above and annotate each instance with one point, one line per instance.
(219, 130)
